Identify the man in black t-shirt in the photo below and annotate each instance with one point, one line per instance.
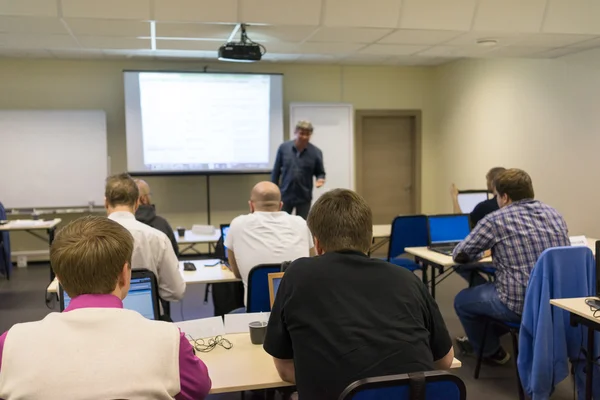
(471, 272)
(342, 316)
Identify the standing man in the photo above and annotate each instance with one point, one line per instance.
(296, 163)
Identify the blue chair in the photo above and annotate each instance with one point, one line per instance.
(435, 385)
(407, 231)
(5, 262)
(258, 287)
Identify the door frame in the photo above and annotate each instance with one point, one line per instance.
(415, 115)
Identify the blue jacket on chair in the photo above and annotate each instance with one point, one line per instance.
(547, 341)
(5, 264)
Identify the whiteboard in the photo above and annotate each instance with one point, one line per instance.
(52, 158)
(334, 134)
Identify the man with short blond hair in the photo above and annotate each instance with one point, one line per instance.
(267, 235)
(146, 213)
(516, 235)
(342, 316)
(97, 349)
(152, 248)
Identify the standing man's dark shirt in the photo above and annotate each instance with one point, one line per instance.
(343, 316)
(294, 171)
(146, 213)
(482, 209)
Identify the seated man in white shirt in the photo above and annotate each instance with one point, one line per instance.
(267, 235)
(152, 248)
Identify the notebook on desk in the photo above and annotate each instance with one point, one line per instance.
(447, 231)
(142, 296)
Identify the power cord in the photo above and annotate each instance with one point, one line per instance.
(206, 345)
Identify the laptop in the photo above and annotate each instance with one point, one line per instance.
(224, 231)
(446, 231)
(468, 199)
(142, 296)
(274, 281)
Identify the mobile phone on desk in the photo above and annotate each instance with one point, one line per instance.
(593, 303)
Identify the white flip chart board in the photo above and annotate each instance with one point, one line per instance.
(334, 134)
(52, 158)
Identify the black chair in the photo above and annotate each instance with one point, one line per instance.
(434, 385)
(258, 287)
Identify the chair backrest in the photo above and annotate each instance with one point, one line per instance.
(258, 287)
(274, 281)
(438, 385)
(407, 231)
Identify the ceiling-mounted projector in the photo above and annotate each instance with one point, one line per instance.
(243, 51)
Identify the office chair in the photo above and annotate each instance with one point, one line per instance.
(434, 385)
(407, 231)
(258, 287)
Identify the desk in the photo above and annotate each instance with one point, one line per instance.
(203, 274)
(581, 314)
(381, 236)
(436, 261)
(191, 239)
(245, 367)
(32, 225)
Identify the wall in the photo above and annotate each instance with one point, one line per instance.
(538, 115)
(90, 84)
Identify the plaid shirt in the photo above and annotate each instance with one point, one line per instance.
(517, 234)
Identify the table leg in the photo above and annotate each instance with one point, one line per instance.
(589, 364)
(433, 282)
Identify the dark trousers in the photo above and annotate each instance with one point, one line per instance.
(302, 209)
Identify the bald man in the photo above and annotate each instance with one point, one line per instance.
(146, 213)
(267, 235)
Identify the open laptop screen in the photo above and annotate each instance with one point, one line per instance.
(139, 298)
(224, 231)
(448, 228)
(468, 200)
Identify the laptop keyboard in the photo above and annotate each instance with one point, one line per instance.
(446, 250)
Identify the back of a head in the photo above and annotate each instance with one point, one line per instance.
(492, 175)
(144, 191)
(341, 220)
(89, 253)
(515, 183)
(266, 196)
(121, 190)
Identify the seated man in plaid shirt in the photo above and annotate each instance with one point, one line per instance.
(516, 234)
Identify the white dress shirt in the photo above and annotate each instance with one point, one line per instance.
(267, 238)
(152, 250)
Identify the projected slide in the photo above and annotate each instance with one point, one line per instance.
(187, 122)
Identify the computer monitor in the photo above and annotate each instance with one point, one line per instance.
(451, 228)
(468, 199)
(142, 296)
(274, 281)
(224, 231)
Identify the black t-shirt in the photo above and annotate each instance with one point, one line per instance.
(482, 209)
(343, 316)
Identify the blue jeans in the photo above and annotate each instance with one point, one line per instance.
(471, 272)
(473, 303)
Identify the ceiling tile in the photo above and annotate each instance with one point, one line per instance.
(183, 54)
(553, 40)
(108, 42)
(112, 9)
(28, 53)
(108, 27)
(572, 16)
(349, 35)
(454, 51)
(78, 53)
(41, 41)
(328, 48)
(392, 49)
(360, 13)
(588, 44)
(557, 53)
(32, 25)
(280, 57)
(40, 8)
(417, 36)
(225, 11)
(280, 33)
(192, 45)
(470, 38)
(365, 59)
(317, 58)
(417, 61)
(515, 51)
(510, 15)
(190, 30)
(281, 12)
(437, 14)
